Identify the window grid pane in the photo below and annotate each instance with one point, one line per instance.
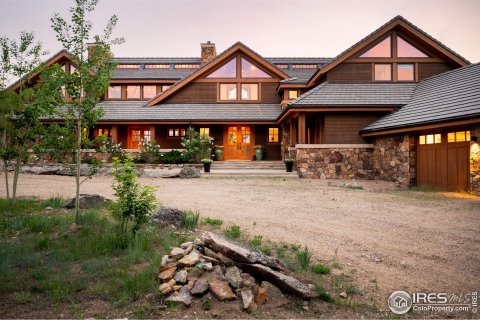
(133, 92)
(149, 92)
(228, 91)
(249, 91)
(405, 72)
(383, 72)
(381, 50)
(114, 92)
(249, 70)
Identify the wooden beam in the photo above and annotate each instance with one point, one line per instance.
(301, 128)
(291, 111)
(114, 133)
(293, 133)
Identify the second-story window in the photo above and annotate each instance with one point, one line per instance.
(292, 94)
(405, 72)
(249, 91)
(383, 72)
(149, 92)
(133, 92)
(114, 92)
(228, 91)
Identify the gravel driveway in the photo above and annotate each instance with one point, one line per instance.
(395, 240)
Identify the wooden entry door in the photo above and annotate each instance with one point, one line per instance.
(239, 142)
(136, 135)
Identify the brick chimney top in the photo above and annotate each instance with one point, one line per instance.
(208, 52)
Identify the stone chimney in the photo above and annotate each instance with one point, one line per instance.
(208, 52)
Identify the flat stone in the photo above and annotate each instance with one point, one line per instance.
(176, 287)
(189, 173)
(200, 287)
(167, 274)
(217, 273)
(167, 262)
(185, 245)
(167, 287)
(248, 301)
(210, 253)
(183, 296)
(190, 259)
(238, 252)
(209, 259)
(232, 275)
(208, 266)
(275, 297)
(226, 260)
(177, 253)
(86, 201)
(284, 282)
(248, 282)
(221, 290)
(181, 276)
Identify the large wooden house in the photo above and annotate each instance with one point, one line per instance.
(398, 105)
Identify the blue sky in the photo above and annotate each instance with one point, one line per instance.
(271, 27)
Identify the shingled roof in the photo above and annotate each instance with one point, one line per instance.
(350, 94)
(452, 95)
(135, 111)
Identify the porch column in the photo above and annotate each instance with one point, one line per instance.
(293, 133)
(152, 133)
(301, 128)
(114, 133)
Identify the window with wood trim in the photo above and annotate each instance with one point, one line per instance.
(228, 91)
(382, 72)
(157, 66)
(406, 50)
(430, 139)
(176, 132)
(114, 92)
(102, 131)
(128, 66)
(292, 94)
(249, 70)
(304, 66)
(228, 70)
(405, 72)
(282, 66)
(186, 66)
(205, 132)
(458, 136)
(382, 50)
(249, 91)
(273, 135)
(165, 87)
(149, 91)
(133, 92)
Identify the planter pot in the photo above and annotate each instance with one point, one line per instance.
(289, 166)
(219, 154)
(206, 167)
(259, 154)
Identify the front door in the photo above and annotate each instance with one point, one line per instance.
(239, 143)
(136, 135)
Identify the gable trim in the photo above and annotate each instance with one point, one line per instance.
(217, 62)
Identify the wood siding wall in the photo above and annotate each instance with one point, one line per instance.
(351, 72)
(426, 70)
(344, 127)
(272, 151)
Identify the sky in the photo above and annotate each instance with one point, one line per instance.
(273, 28)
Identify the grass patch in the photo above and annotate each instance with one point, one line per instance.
(190, 219)
(346, 186)
(233, 231)
(216, 223)
(55, 202)
(320, 268)
(256, 241)
(304, 258)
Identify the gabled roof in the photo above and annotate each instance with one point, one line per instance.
(396, 21)
(54, 59)
(349, 94)
(216, 62)
(449, 96)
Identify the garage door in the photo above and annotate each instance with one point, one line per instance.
(443, 160)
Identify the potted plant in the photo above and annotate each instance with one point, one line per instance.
(206, 164)
(219, 153)
(259, 152)
(289, 164)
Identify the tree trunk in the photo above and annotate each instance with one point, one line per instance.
(15, 180)
(5, 169)
(77, 176)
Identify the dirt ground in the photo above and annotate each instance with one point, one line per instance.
(391, 239)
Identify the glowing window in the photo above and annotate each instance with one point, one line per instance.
(383, 72)
(205, 131)
(282, 66)
(304, 66)
(149, 92)
(249, 70)
(249, 91)
(405, 72)
(157, 66)
(459, 136)
(114, 92)
(228, 70)
(292, 94)
(186, 66)
(165, 87)
(176, 132)
(422, 139)
(133, 92)
(381, 50)
(430, 139)
(406, 50)
(273, 135)
(228, 91)
(105, 131)
(128, 66)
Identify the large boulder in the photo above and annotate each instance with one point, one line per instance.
(45, 169)
(87, 201)
(238, 252)
(189, 173)
(166, 216)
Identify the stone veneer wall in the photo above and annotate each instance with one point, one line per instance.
(334, 161)
(475, 161)
(394, 158)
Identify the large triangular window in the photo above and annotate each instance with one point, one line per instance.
(406, 50)
(249, 70)
(228, 70)
(381, 50)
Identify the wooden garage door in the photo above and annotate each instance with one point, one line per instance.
(442, 160)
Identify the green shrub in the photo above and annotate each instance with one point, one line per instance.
(233, 231)
(216, 223)
(55, 202)
(190, 219)
(196, 146)
(256, 241)
(303, 258)
(149, 151)
(320, 268)
(134, 203)
(172, 157)
(266, 250)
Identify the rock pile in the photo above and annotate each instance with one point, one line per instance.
(229, 271)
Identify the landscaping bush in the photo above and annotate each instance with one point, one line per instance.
(197, 147)
(134, 203)
(172, 157)
(320, 268)
(149, 152)
(113, 149)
